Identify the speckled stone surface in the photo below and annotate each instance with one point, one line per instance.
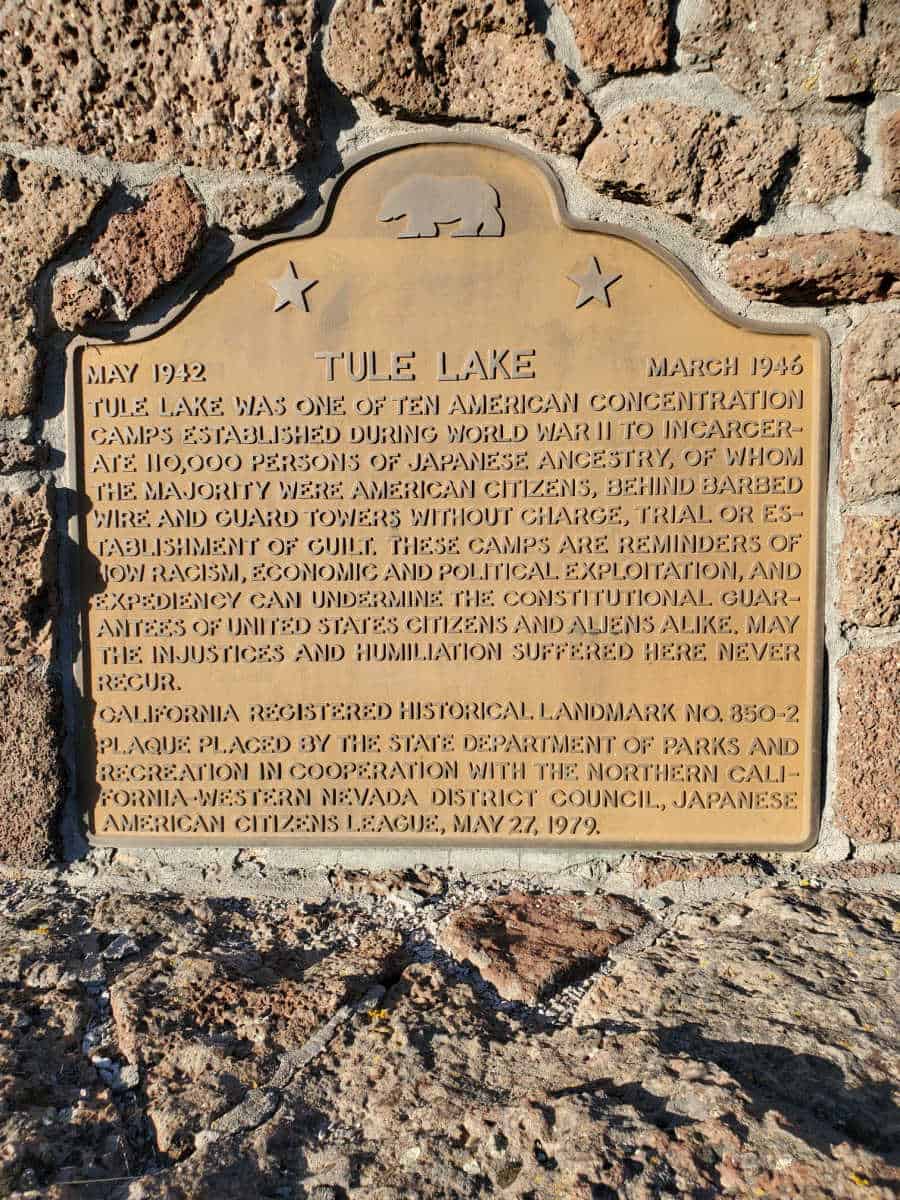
(870, 406)
(818, 268)
(868, 789)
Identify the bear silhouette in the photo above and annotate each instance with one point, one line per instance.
(427, 201)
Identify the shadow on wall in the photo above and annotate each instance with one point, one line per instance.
(81, 578)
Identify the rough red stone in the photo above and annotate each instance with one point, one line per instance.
(861, 868)
(648, 871)
(475, 61)
(708, 168)
(215, 84)
(528, 944)
(618, 37)
(818, 268)
(40, 212)
(77, 300)
(868, 781)
(30, 768)
(870, 570)
(786, 56)
(738, 1074)
(870, 408)
(828, 166)
(889, 140)
(138, 254)
(142, 251)
(27, 572)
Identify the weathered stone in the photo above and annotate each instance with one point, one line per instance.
(828, 166)
(868, 782)
(57, 1118)
(618, 37)
(476, 61)
(141, 251)
(78, 300)
(748, 1049)
(22, 456)
(528, 945)
(870, 406)
(515, 82)
(721, 1060)
(251, 206)
(417, 881)
(866, 60)
(788, 57)
(649, 871)
(27, 574)
(790, 1045)
(818, 268)
(214, 84)
(860, 868)
(889, 141)
(40, 212)
(30, 769)
(220, 1000)
(20, 383)
(870, 570)
(708, 168)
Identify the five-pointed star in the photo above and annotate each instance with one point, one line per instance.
(594, 284)
(289, 289)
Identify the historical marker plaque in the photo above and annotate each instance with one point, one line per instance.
(452, 521)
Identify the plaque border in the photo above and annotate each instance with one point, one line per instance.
(317, 223)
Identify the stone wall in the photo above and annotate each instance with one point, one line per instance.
(140, 142)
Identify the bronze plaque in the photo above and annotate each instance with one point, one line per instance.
(452, 520)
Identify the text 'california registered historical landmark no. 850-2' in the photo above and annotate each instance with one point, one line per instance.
(452, 520)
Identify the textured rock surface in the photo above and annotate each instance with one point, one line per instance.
(889, 139)
(748, 1049)
(620, 36)
(141, 251)
(650, 871)
(818, 268)
(30, 769)
(870, 401)
(22, 456)
(754, 1003)
(527, 945)
(792, 57)
(828, 166)
(205, 1014)
(58, 1118)
(213, 84)
(870, 570)
(868, 788)
(251, 206)
(476, 61)
(27, 573)
(408, 882)
(705, 167)
(77, 300)
(40, 212)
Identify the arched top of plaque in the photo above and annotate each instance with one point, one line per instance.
(461, 187)
(451, 488)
